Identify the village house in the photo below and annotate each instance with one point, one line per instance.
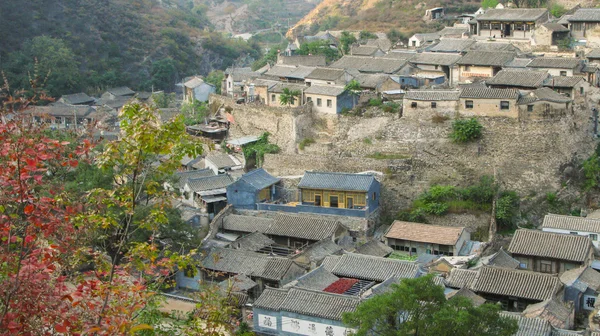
(593, 56)
(364, 50)
(373, 82)
(534, 326)
(289, 73)
(253, 242)
(184, 175)
(498, 259)
(581, 287)
(297, 311)
(518, 23)
(77, 99)
(560, 315)
(291, 230)
(220, 163)
(514, 289)
(374, 248)
(417, 238)
(207, 192)
(115, 93)
(328, 98)
(572, 87)
(274, 94)
(369, 269)
(583, 24)
(452, 45)
(434, 13)
(459, 278)
(253, 187)
(376, 65)
(557, 66)
(572, 225)
(487, 102)
(62, 116)
(544, 104)
(312, 256)
(234, 81)
(304, 60)
(419, 40)
(196, 88)
(426, 103)
(518, 79)
(551, 34)
(258, 89)
(482, 64)
(328, 76)
(549, 252)
(430, 64)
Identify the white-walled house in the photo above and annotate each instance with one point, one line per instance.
(580, 226)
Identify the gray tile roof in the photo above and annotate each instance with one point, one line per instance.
(452, 45)
(278, 88)
(121, 91)
(247, 263)
(582, 277)
(374, 248)
(520, 284)
(563, 81)
(370, 64)
(325, 90)
(555, 27)
(571, 223)
(447, 31)
(209, 183)
(487, 58)
(586, 15)
(550, 245)
(221, 160)
(77, 98)
(252, 242)
(488, 93)
(554, 63)
(330, 262)
(336, 181)
(303, 227)
(242, 223)
(502, 259)
(327, 74)
(259, 179)
(184, 176)
(555, 312)
(289, 71)
(371, 268)
(318, 251)
(238, 283)
(519, 78)
(62, 110)
(432, 95)
(435, 58)
(530, 326)
(319, 304)
(318, 279)
(549, 95)
(271, 299)
(305, 60)
(401, 54)
(513, 15)
(518, 63)
(193, 82)
(371, 81)
(595, 53)
(364, 50)
(460, 278)
(493, 46)
(467, 293)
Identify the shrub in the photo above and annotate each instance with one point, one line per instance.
(375, 102)
(507, 208)
(391, 107)
(367, 141)
(465, 130)
(439, 118)
(557, 10)
(305, 142)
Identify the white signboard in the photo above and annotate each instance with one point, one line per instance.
(309, 328)
(266, 321)
(588, 302)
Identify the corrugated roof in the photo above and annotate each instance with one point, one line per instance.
(530, 326)
(520, 284)
(488, 93)
(435, 58)
(209, 182)
(563, 81)
(325, 90)
(550, 245)
(371, 268)
(452, 45)
(432, 95)
(460, 278)
(336, 181)
(319, 304)
(327, 74)
(586, 15)
(374, 248)
(513, 15)
(259, 179)
(571, 223)
(487, 58)
(554, 63)
(425, 233)
(519, 78)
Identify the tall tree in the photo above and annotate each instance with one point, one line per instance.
(288, 97)
(346, 40)
(418, 307)
(353, 89)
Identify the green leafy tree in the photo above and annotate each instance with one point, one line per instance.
(256, 151)
(591, 171)
(395, 35)
(354, 90)
(485, 4)
(465, 130)
(270, 57)
(418, 307)
(507, 209)
(163, 74)
(319, 47)
(195, 112)
(367, 35)
(346, 40)
(163, 100)
(288, 97)
(557, 10)
(215, 78)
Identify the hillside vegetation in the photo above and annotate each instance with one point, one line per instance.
(89, 45)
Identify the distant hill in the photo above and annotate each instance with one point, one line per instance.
(89, 45)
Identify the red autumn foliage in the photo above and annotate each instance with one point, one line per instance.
(340, 286)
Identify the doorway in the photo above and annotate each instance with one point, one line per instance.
(317, 200)
(349, 202)
(507, 30)
(333, 201)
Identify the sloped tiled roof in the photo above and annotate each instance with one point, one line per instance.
(401, 54)
(563, 81)
(447, 31)
(530, 326)
(305, 60)
(242, 223)
(519, 78)
(193, 82)
(320, 250)
(512, 15)
(371, 81)
(518, 63)
(520, 284)
(493, 46)
(452, 45)
(571, 223)
(364, 50)
(252, 242)
(586, 15)
(325, 90)
(238, 283)
(370, 64)
(221, 160)
(259, 179)
(77, 98)
(461, 278)
(246, 262)
(121, 91)
(184, 176)
(555, 27)
(551, 310)
(327, 74)
(371, 268)
(550, 245)
(544, 94)
(330, 262)
(271, 299)
(595, 53)
(435, 58)
(374, 248)
(209, 183)
(278, 88)
(582, 277)
(319, 304)
(336, 181)
(289, 71)
(488, 93)
(502, 259)
(432, 95)
(304, 227)
(554, 62)
(487, 58)
(425, 233)
(467, 293)
(60, 109)
(318, 279)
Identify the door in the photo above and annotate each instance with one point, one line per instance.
(349, 202)
(317, 200)
(506, 30)
(333, 201)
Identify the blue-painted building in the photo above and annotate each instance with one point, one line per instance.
(253, 187)
(298, 311)
(582, 287)
(197, 89)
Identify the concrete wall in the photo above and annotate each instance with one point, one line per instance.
(488, 108)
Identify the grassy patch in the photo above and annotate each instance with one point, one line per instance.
(367, 141)
(387, 156)
(402, 256)
(305, 142)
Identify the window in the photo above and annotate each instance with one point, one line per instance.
(523, 265)
(468, 104)
(229, 84)
(545, 266)
(504, 105)
(317, 200)
(413, 250)
(273, 98)
(333, 202)
(433, 104)
(413, 105)
(329, 103)
(374, 196)
(581, 90)
(309, 99)
(319, 102)
(414, 43)
(437, 67)
(529, 108)
(593, 236)
(349, 202)
(467, 68)
(573, 233)
(563, 73)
